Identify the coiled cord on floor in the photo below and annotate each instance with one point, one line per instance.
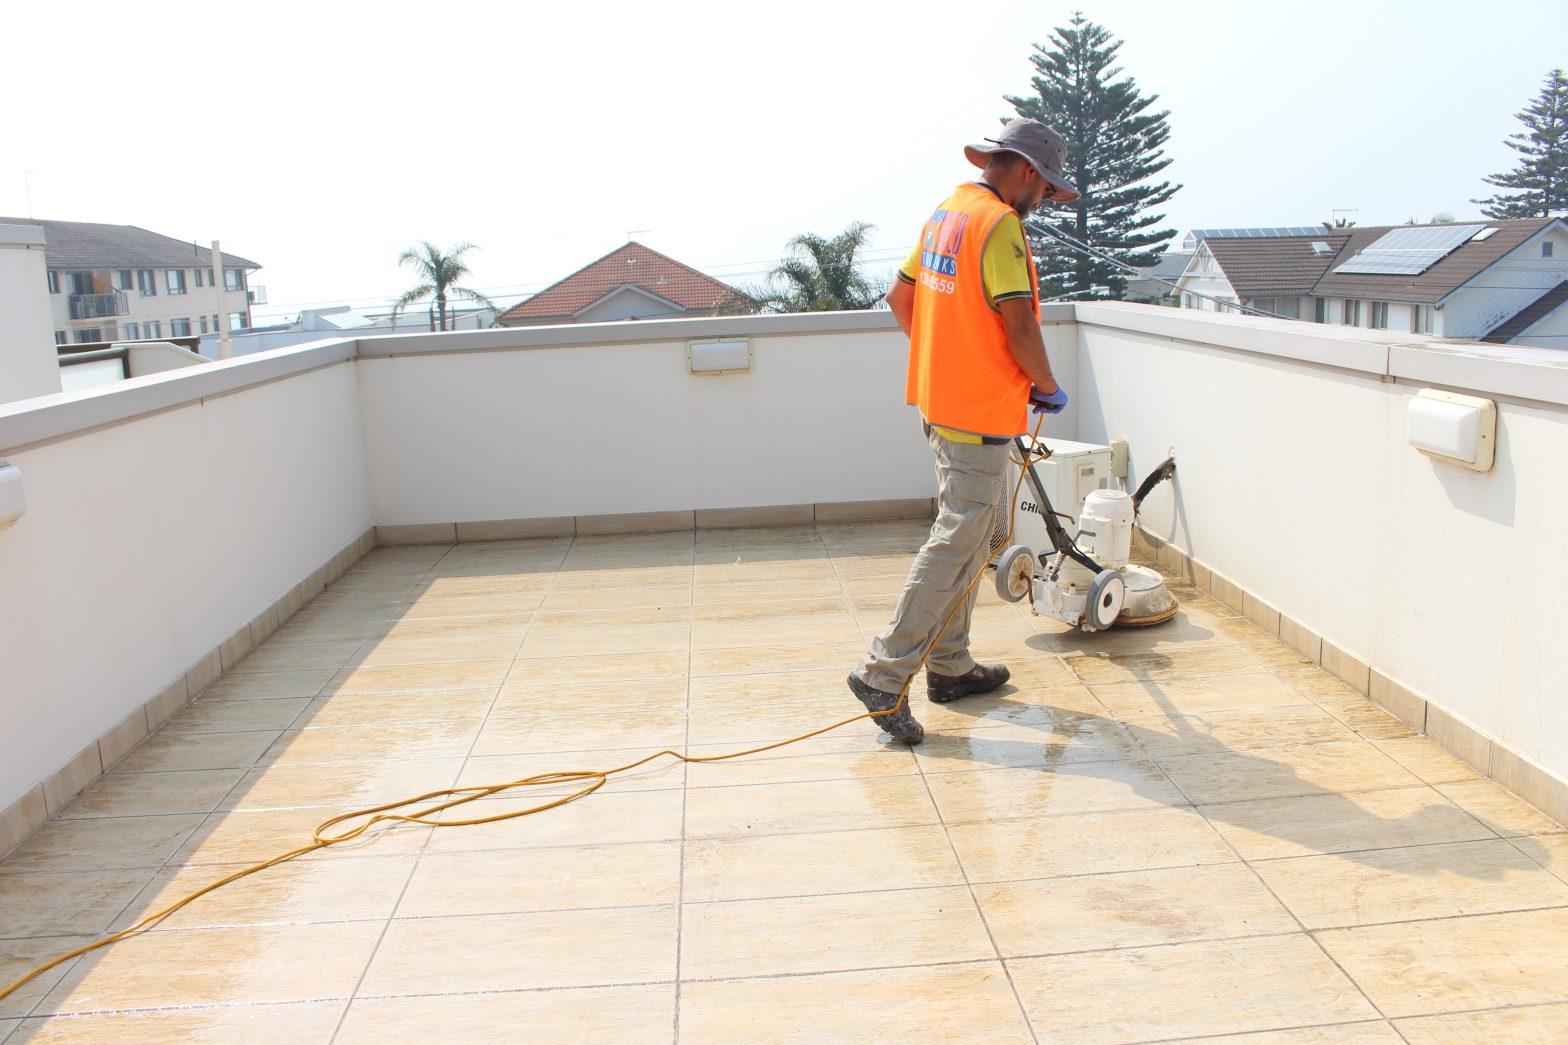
(593, 779)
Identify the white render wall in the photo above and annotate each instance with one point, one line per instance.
(148, 543)
(1508, 286)
(1295, 480)
(28, 363)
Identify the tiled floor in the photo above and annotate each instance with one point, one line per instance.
(1169, 834)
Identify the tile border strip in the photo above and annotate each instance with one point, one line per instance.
(46, 801)
(1487, 756)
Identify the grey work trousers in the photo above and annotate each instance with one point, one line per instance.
(971, 484)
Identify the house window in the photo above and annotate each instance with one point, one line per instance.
(152, 328)
(1352, 314)
(81, 282)
(54, 282)
(1226, 303)
(1546, 249)
(1379, 315)
(203, 323)
(215, 326)
(179, 328)
(146, 285)
(1320, 310)
(88, 336)
(233, 279)
(128, 332)
(122, 279)
(61, 337)
(1423, 319)
(176, 280)
(236, 320)
(200, 278)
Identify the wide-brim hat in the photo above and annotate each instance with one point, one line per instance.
(1042, 146)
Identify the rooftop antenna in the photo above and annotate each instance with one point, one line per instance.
(27, 179)
(1343, 210)
(631, 233)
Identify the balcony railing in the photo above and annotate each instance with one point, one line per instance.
(95, 306)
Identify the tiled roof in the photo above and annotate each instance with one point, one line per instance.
(1274, 266)
(87, 245)
(1429, 287)
(633, 265)
(1531, 314)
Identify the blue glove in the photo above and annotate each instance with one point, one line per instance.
(1041, 403)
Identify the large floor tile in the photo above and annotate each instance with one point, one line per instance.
(527, 699)
(1426, 760)
(1334, 823)
(102, 844)
(300, 1023)
(232, 965)
(1363, 1032)
(1284, 772)
(1424, 881)
(398, 652)
(1151, 698)
(489, 770)
(1129, 909)
(823, 805)
(1499, 808)
(596, 819)
(1195, 661)
(514, 881)
(67, 902)
(242, 837)
(467, 706)
(21, 956)
(773, 657)
(236, 716)
(764, 723)
(519, 735)
(143, 794)
(459, 675)
(1062, 738)
(1535, 1023)
(269, 658)
(589, 1015)
(514, 951)
(805, 864)
(957, 1005)
(763, 691)
(831, 933)
(1226, 731)
(1095, 843)
(1091, 787)
(842, 754)
(340, 787)
(549, 669)
(1421, 968)
(288, 684)
(169, 752)
(1186, 990)
(606, 640)
(439, 739)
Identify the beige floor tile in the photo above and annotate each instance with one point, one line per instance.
(771, 610)
(62, 904)
(1377, 1032)
(545, 733)
(958, 1005)
(169, 752)
(515, 881)
(1422, 968)
(301, 891)
(1282, 772)
(19, 957)
(231, 965)
(145, 794)
(510, 605)
(588, 1015)
(1037, 707)
(606, 640)
(484, 770)
(1426, 881)
(1318, 684)
(1335, 823)
(472, 628)
(1537, 1023)
(714, 589)
(271, 658)
(1426, 760)
(521, 698)
(1550, 851)
(764, 723)
(290, 684)
(618, 599)
(244, 837)
(597, 819)
(599, 579)
(1015, 794)
(456, 707)
(835, 756)
(1067, 738)
(763, 691)
(1367, 719)
(458, 586)
(749, 660)
(1189, 989)
(830, 933)
(823, 805)
(1188, 696)
(315, 633)
(338, 787)
(375, 743)
(1130, 909)
(457, 675)
(101, 845)
(610, 667)
(1222, 731)
(1498, 808)
(1194, 661)
(481, 953)
(1182, 633)
(835, 862)
(785, 631)
(627, 618)
(302, 1023)
(1093, 843)
(399, 652)
(236, 716)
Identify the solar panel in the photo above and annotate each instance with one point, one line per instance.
(1408, 252)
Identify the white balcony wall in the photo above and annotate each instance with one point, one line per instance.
(1295, 480)
(151, 540)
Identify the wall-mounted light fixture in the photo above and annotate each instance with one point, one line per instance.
(11, 504)
(719, 356)
(1456, 428)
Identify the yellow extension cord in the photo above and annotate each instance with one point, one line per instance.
(461, 795)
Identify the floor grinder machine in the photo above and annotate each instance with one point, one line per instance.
(1085, 579)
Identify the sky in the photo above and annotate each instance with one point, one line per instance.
(322, 139)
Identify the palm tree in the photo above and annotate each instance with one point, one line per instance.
(438, 276)
(815, 275)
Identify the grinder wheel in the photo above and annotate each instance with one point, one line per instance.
(1015, 573)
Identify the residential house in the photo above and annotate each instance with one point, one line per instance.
(1496, 281)
(630, 282)
(124, 283)
(1158, 284)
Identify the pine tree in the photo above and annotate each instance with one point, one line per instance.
(1542, 172)
(1113, 150)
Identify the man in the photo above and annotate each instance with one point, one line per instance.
(968, 299)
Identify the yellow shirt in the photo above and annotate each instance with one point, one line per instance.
(1004, 270)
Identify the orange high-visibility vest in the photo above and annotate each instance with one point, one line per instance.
(961, 374)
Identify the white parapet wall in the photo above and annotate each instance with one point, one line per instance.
(1296, 481)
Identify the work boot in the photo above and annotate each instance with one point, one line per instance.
(900, 725)
(982, 678)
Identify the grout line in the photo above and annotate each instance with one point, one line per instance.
(680, 879)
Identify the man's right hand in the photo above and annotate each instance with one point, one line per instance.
(1048, 403)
